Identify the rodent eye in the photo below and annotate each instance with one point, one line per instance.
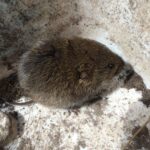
(110, 66)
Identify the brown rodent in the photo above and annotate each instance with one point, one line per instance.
(67, 72)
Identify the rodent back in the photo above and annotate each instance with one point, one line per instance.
(74, 67)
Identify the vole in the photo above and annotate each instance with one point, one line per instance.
(64, 73)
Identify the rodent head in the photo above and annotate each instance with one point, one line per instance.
(75, 66)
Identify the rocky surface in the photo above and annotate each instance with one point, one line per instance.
(8, 129)
(105, 125)
(4, 127)
(121, 25)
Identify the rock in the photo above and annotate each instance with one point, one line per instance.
(8, 128)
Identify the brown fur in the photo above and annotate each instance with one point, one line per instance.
(67, 72)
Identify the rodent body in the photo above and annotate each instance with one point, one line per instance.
(67, 72)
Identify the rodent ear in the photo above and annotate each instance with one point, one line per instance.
(84, 71)
(82, 76)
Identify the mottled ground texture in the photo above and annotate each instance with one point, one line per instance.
(106, 125)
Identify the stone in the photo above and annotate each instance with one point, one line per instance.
(8, 128)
